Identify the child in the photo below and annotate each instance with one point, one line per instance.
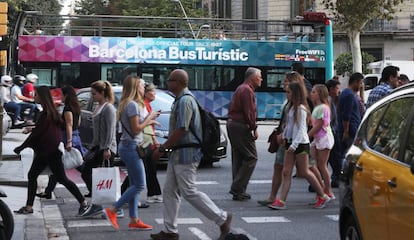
(321, 132)
(297, 146)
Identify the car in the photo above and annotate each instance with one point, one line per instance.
(7, 123)
(163, 101)
(377, 183)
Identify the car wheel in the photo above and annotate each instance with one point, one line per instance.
(350, 230)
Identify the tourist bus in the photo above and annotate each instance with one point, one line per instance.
(215, 56)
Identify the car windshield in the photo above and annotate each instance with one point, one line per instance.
(163, 101)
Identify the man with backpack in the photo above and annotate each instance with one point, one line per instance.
(184, 141)
(242, 132)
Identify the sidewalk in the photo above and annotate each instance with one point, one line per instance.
(13, 180)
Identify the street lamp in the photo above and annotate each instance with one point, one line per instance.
(185, 15)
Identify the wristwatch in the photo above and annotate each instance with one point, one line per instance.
(161, 148)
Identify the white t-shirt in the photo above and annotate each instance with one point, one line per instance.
(16, 91)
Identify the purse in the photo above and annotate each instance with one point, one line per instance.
(72, 159)
(273, 142)
(144, 149)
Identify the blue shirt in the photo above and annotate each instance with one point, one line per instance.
(185, 115)
(348, 111)
(378, 92)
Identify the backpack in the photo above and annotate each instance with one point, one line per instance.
(210, 132)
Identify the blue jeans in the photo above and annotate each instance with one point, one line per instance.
(136, 175)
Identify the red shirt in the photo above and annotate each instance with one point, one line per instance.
(243, 106)
(28, 90)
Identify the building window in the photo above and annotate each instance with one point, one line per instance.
(249, 9)
(222, 8)
(300, 6)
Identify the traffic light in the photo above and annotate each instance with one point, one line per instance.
(3, 18)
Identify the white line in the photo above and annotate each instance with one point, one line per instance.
(200, 234)
(260, 181)
(206, 183)
(88, 223)
(333, 217)
(182, 221)
(265, 219)
(241, 231)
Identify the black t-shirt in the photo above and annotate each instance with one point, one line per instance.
(75, 118)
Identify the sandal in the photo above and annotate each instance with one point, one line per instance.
(24, 210)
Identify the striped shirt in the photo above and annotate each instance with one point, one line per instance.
(185, 115)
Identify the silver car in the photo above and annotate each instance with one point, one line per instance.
(163, 101)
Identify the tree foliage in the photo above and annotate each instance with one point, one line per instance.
(344, 63)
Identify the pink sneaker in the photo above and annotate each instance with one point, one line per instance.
(278, 205)
(322, 201)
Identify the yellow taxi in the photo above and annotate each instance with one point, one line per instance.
(377, 183)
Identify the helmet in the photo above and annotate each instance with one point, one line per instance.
(6, 80)
(19, 80)
(31, 77)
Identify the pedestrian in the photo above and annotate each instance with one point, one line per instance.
(133, 117)
(183, 161)
(44, 140)
(323, 139)
(348, 113)
(242, 132)
(335, 155)
(389, 81)
(296, 140)
(104, 131)
(278, 164)
(70, 133)
(403, 79)
(153, 186)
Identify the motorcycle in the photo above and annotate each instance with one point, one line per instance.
(6, 219)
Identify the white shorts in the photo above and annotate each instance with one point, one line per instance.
(325, 142)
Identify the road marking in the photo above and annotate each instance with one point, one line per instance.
(241, 231)
(260, 181)
(200, 234)
(88, 223)
(265, 219)
(206, 182)
(182, 221)
(333, 217)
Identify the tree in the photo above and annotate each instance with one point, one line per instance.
(351, 16)
(344, 63)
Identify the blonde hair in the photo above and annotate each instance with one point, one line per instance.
(323, 93)
(129, 93)
(105, 88)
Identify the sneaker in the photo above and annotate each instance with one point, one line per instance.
(331, 196)
(111, 217)
(314, 201)
(164, 236)
(120, 213)
(155, 199)
(278, 205)
(18, 122)
(84, 209)
(139, 225)
(264, 202)
(322, 201)
(93, 211)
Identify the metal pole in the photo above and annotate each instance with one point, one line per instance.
(185, 15)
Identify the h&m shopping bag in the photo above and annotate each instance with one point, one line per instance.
(106, 185)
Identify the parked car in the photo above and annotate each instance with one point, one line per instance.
(7, 122)
(163, 101)
(377, 184)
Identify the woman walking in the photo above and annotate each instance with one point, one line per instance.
(70, 133)
(44, 140)
(133, 117)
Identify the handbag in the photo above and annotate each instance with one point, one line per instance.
(106, 185)
(273, 142)
(145, 148)
(72, 159)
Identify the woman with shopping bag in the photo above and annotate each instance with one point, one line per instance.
(133, 117)
(44, 139)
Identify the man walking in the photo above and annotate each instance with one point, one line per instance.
(184, 132)
(242, 132)
(389, 81)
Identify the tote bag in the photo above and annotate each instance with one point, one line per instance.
(106, 185)
(72, 159)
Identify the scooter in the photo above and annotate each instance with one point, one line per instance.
(6, 219)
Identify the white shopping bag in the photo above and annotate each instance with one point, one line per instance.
(106, 185)
(72, 159)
